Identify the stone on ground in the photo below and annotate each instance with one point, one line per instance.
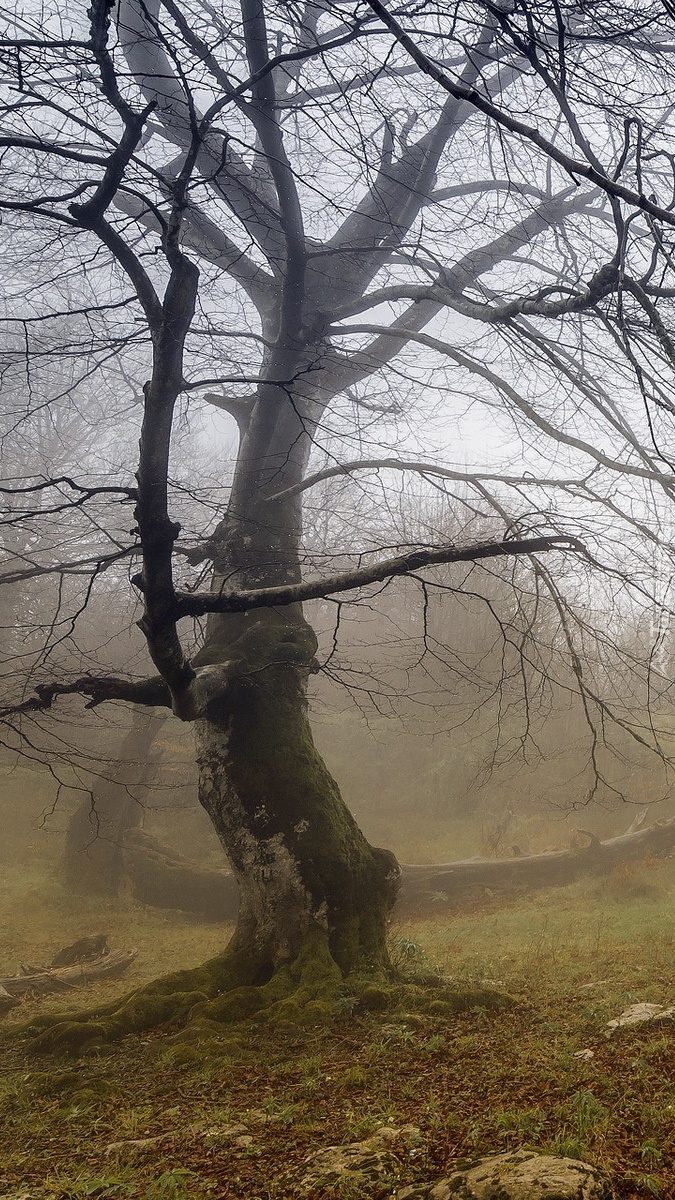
(522, 1175)
(641, 1014)
(364, 1165)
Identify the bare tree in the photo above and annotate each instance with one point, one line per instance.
(236, 188)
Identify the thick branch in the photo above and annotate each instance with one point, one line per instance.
(152, 693)
(431, 299)
(264, 116)
(574, 166)
(540, 304)
(401, 188)
(196, 604)
(89, 213)
(422, 468)
(209, 242)
(247, 195)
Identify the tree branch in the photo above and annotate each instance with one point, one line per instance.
(196, 604)
(501, 385)
(574, 166)
(152, 692)
(422, 468)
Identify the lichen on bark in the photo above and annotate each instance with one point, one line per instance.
(292, 843)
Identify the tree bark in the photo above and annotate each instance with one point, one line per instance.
(294, 848)
(296, 852)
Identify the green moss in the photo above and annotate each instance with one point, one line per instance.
(376, 999)
(286, 1011)
(70, 1086)
(234, 1006)
(55, 1083)
(319, 1012)
(69, 1037)
(170, 1000)
(306, 992)
(185, 1056)
(315, 966)
(286, 792)
(85, 1097)
(487, 998)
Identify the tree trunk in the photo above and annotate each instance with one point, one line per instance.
(295, 850)
(299, 858)
(424, 887)
(93, 858)
(162, 878)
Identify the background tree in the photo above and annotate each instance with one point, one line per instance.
(293, 168)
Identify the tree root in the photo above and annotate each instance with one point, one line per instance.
(166, 1001)
(207, 1002)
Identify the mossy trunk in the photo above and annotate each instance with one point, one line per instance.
(301, 862)
(295, 850)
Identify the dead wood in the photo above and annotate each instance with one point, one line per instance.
(166, 880)
(41, 980)
(83, 950)
(422, 885)
(7, 1002)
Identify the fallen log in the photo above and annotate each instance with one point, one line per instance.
(423, 885)
(42, 980)
(83, 950)
(7, 1002)
(165, 880)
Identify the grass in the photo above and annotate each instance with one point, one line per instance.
(153, 1120)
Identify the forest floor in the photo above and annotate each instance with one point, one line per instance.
(152, 1120)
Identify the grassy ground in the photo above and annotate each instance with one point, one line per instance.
(479, 1082)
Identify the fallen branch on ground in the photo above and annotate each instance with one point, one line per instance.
(423, 885)
(42, 980)
(166, 880)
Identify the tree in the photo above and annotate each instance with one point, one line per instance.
(293, 167)
(93, 860)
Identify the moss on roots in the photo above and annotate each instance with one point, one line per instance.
(209, 1002)
(166, 1001)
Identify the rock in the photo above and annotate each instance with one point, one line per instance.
(396, 1133)
(585, 1055)
(522, 1175)
(131, 1145)
(359, 1165)
(258, 1116)
(640, 1014)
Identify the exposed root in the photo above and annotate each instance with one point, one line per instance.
(208, 1001)
(166, 1001)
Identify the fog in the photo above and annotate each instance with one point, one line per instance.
(337, 560)
(444, 749)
